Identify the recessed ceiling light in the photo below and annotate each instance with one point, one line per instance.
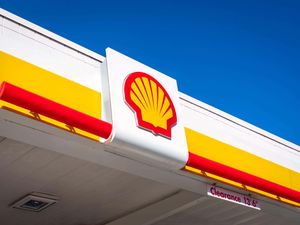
(35, 202)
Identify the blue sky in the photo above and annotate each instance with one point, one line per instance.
(242, 57)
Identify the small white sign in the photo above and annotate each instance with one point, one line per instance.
(231, 196)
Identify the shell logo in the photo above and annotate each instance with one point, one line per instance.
(152, 105)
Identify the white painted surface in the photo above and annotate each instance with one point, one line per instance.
(34, 45)
(88, 193)
(218, 212)
(221, 114)
(48, 160)
(60, 40)
(165, 208)
(127, 136)
(93, 194)
(220, 126)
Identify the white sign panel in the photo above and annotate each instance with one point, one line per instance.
(146, 114)
(231, 196)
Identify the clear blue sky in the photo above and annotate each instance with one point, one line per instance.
(242, 57)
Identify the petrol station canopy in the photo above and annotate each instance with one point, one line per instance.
(87, 139)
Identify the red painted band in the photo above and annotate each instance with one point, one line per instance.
(54, 110)
(230, 173)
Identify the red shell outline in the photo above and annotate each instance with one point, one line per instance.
(138, 113)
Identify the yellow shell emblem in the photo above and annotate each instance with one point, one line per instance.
(153, 107)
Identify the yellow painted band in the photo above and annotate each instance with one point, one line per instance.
(236, 158)
(51, 86)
